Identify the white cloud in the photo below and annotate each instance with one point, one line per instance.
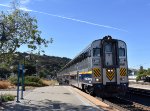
(4, 5)
(68, 18)
(77, 20)
(24, 1)
(25, 9)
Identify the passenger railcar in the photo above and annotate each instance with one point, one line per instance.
(99, 69)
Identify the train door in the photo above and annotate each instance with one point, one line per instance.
(110, 62)
(123, 65)
(108, 54)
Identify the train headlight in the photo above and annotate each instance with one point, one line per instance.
(122, 78)
(97, 80)
(110, 70)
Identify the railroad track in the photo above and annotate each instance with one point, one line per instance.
(140, 96)
(123, 104)
(141, 92)
(135, 100)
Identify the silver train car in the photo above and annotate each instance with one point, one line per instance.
(100, 69)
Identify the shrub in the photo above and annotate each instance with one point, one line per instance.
(32, 81)
(7, 97)
(13, 80)
(32, 78)
(27, 83)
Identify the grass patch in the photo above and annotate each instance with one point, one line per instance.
(7, 97)
(4, 84)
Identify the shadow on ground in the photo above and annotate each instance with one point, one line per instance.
(46, 105)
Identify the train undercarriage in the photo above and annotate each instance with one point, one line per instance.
(110, 90)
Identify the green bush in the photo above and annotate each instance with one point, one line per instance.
(29, 81)
(7, 97)
(142, 75)
(13, 80)
(32, 84)
(32, 79)
(138, 78)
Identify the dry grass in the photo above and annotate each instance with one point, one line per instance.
(49, 82)
(4, 84)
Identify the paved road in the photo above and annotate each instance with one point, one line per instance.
(52, 98)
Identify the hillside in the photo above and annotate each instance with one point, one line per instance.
(46, 65)
(43, 65)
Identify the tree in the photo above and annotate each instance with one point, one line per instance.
(148, 72)
(19, 28)
(43, 73)
(4, 72)
(30, 70)
(141, 73)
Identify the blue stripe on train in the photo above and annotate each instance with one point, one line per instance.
(86, 78)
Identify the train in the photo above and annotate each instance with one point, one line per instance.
(100, 69)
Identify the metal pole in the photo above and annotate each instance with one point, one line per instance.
(36, 68)
(22, 82)
(18, 84)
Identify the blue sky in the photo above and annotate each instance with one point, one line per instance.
(76, 23)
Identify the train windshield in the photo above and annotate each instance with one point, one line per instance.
(108, 48)
(121, 52)
(96, 52)
(109, 54)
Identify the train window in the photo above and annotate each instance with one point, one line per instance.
(96, 52)
(72, 77)
(121, 52)
(108, 48)
(88, 53)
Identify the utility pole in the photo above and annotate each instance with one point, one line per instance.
(36, 67)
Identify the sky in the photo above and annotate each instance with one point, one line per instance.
(74, 24)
